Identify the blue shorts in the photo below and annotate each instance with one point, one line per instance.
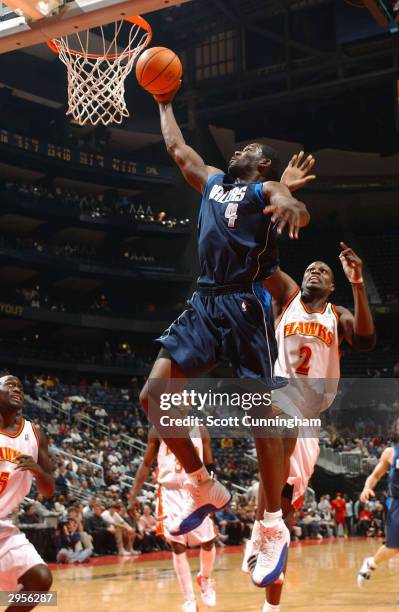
(392, 525)
(234, 325)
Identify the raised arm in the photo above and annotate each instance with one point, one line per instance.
(191, 165)
(145, 466)
(379, 471)
(281, 287)
(358, 328)
(282, 205)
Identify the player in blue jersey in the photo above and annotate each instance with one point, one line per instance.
(388, 463)
(229, 314)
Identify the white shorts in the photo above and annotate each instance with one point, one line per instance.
(170, 502)
(302, 463)
(17, 556)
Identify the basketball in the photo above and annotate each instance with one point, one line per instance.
(158, 70)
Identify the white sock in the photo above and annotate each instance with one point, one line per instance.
(183, 573)
(199, 476)
(272, 519)
(207, 561)
(270, 608)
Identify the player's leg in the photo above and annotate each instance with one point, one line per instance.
(252, 349)
(370, 564)
(183, 573)
(205, 495)
(270, 526)
(165, 369)
(37, 578)
(204, 577)
(386, 552)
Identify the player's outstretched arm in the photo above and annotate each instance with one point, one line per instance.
(379, 471)
(357, 329)
(284, 208)
(191, 165)
(297, 173)
(145, 467)
(42, 469)
(281, 287)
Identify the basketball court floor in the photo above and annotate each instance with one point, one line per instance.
(322, 577)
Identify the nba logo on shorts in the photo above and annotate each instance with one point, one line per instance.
(26, 436)
(244, 306)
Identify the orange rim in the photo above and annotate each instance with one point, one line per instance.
(136, 19)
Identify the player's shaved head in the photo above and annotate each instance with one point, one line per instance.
(11, 393)
(318, 280)
(256, 161)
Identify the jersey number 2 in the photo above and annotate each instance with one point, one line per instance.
(305, 354)
(231, 214)
(4, 476)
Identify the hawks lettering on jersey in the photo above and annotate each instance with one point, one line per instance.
(308, 341)
(14, 484)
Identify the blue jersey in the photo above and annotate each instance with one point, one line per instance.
(237, 245)
(393, 474)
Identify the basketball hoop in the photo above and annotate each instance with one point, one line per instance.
(97, 68)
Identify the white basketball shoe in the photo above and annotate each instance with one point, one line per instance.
(208, 593)
(202, 499)
(190, 606)
(270, 560)
(365, 572)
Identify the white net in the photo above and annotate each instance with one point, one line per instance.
(97, 65)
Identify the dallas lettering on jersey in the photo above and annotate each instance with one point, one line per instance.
(302, 328)
(237, 194)
(9, 454)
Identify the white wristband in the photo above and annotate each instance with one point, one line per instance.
(358, 282)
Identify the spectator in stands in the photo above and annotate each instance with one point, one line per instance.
(349, 515)
(147, 527)
(61, 482)
(104, 536)
(339, 506)
(30, 517)
(68, 544)
(229, 524)
(365, 518)
(124, 534)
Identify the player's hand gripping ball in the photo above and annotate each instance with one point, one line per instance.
(159, 71)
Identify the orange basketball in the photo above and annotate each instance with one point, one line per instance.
(158, 70)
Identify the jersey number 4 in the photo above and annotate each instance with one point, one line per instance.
(231, 214)
(305, 354)
(4, 476)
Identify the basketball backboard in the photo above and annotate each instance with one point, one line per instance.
(30, 22)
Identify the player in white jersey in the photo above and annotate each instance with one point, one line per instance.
(309, 331)
(23, 456)
(171, 497)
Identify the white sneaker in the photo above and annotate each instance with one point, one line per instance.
(208, 593)
(251, 551)
(202, 499)
(365, 572)
(190, 606)
(123, 553)
(273, 549)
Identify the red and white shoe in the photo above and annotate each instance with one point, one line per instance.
(202, 499)
(273, 550)
(208, 593)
